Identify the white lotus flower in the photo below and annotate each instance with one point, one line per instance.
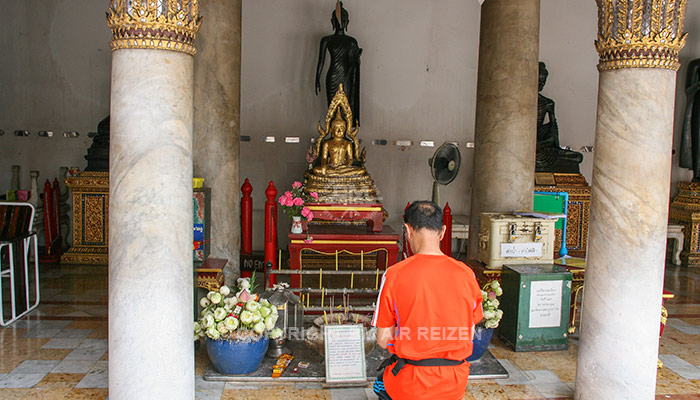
(220, 314)
(207, 321)
(274, 310)
(257, 317)
(246, 317)
(230, 301)
(221, 327)
(488, 314)
(243, 283)
(204, 302)
(252, 305)
(259, 328)
(197, 327)
(276, 333)
(224, 290)
(210, 294)
(265, 303)
(216, 298)
(265, 311)
(213, 333)
(231, 323)
(269, 323)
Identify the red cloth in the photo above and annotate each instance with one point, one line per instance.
(435, 301)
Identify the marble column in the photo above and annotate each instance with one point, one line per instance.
(217, 101)
(150, 216)
(505, 132)
(619, 334)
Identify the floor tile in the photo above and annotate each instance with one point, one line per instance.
(93, 381)
(35, 367)
(21, 380)
(73, 333)
(41, 332)
(85, 354)
(61, 343)
(60, 380)
(73, 367)
(348, 394)
(95, 344)
(87, 394)
(680, 366)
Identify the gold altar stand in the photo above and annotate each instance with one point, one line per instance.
(685, 211)
(578, 208)
(90, 218)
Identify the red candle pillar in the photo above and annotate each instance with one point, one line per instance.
(446, 244)
(406, 252)
(246, 218)
(271, 232)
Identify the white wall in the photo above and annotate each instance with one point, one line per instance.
(418, 82)
(54, 76)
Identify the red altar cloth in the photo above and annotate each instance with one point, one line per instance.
(328, 239)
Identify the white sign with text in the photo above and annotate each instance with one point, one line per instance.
(345, 353)
(509, 250)
(545, 304)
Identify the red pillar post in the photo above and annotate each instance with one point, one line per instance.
(56, 198)
(48, 216)
(446, 244)
(271, 232)
(246, 218)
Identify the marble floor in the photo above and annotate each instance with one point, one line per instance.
(60, 351)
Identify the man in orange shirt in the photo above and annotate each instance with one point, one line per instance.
(427, 307)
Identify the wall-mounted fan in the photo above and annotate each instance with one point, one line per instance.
(444, 165)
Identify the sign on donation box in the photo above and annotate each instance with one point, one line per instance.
(536, 305)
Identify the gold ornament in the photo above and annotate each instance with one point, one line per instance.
(154, 24)
(640, 33)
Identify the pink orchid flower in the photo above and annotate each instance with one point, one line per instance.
(314, 195)
(296, 184)
(298, 201)
(309, 239)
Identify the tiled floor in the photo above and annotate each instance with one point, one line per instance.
(60, 350)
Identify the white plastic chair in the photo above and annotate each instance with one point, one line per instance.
(12, 234)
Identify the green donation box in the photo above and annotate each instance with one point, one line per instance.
(535, 304)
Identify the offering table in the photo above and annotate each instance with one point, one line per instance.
(329, 239)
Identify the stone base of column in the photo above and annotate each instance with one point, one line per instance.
(685, 211)
(578, 209)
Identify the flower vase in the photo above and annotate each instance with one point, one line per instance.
(236, 357)
(296, 225)
(482, 338)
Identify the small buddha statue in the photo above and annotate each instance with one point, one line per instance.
(338, 174)
(550, 156)
(337, 153)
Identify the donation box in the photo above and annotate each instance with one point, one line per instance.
(535, 304)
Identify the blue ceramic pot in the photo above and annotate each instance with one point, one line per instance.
(482, 338)
(235, 357)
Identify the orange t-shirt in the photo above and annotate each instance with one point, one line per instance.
(434, 301)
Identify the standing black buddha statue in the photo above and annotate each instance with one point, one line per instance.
(344, 64)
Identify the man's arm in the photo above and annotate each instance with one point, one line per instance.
(384, 335)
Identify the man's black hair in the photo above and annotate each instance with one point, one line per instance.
(424, 214)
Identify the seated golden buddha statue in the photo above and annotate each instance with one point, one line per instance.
(338, 174)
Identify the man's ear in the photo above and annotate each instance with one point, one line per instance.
(442, 232)
(408, 229)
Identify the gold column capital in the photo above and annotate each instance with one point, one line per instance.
(154, 24)
(640, 33)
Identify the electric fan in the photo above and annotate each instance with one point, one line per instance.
(444, 165)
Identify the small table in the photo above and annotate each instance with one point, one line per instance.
(676, 232)
(328, 239)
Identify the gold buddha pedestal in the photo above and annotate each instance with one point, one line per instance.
(346, 191)
(685, 211)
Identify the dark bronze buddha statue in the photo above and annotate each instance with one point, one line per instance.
(344, 63)
(690, 136)
(550, 156)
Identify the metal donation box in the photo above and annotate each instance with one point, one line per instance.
(535, 304)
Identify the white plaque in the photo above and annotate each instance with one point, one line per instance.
(528, 249)
(345, 353)
(545, 304)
